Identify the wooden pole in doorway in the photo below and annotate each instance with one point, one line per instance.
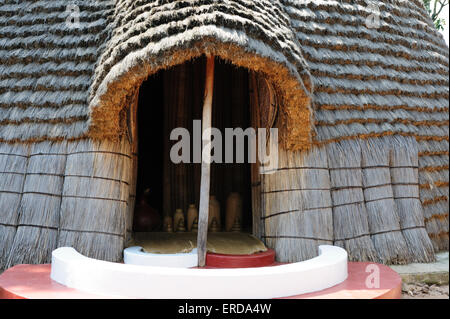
(206, 166)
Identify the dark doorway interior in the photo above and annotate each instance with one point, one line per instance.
(174, 98)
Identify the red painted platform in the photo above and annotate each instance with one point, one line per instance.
(390, 285)
(33, 282)
(262, 259)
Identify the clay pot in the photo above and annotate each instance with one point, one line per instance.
(237, 226)
(214, 212)
(233, 213)
(178, 220)
(181, 228)
(194, 228)
(214, 226)
(192, 214)
(168, 224)
(146, 218)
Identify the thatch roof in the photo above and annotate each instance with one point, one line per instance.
(46, 68)
(343, 86)
(65, 83)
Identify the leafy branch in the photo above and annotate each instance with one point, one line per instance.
(435, 8)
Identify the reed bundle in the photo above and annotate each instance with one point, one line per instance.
(404, 174)
(298, 205)
(38, 213)
(350, 216)
(13, 167)
(384, 222)
(434, 191)
(95, 198)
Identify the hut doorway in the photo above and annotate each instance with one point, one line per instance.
(173, 98)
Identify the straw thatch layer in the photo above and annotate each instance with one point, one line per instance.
(298, 206)
(63, 194)
(344, 159)
(96, 245)
(150, 35)
(434, 191)
(46, 67)
(383, 219)
(374, 82)
(38, 214)
(7, 234)
(32, 245)
(13, 167)
(404, 174)
(96, 185)
(360, 195)
(369, 82)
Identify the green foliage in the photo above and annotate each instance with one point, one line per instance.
(434, 8)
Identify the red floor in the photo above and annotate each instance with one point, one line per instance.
(262, 259)
(390, 285)
(33, 282)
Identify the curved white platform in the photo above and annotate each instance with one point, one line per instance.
(135, 256)
(74, 270)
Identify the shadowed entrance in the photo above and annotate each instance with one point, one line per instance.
(171, 99)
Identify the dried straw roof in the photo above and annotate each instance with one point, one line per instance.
(59, 82)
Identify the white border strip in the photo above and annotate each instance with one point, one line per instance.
(74, 270)
(135, 256)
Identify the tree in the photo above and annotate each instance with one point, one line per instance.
(434, 8)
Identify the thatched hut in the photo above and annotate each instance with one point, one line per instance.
(362, 111)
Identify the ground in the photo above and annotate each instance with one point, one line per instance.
(424, 291)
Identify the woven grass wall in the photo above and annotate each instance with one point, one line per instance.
(434, 190)
(345, 159)
(297, 203)
(38, 213)
(13, 168)
(382, 216)
(362, 195)
(95, 198)
(55, 194)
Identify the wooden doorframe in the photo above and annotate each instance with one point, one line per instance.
(264, 107)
